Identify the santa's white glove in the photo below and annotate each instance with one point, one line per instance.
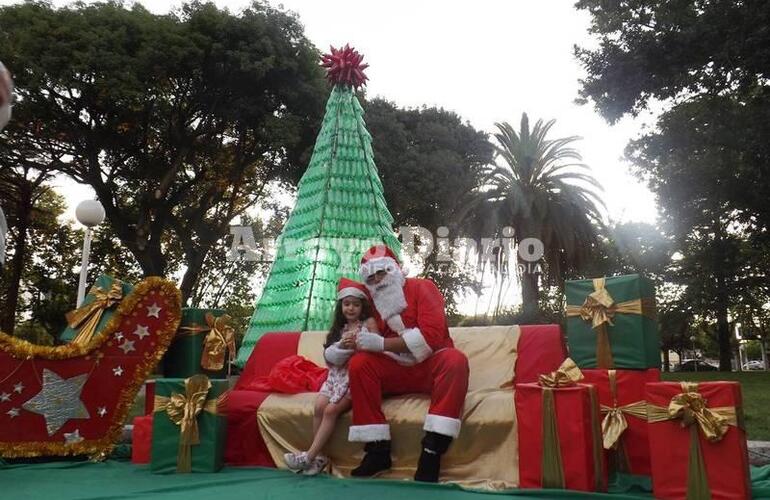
(336, 355)
(368, 341)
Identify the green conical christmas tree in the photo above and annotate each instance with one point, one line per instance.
(339, 214)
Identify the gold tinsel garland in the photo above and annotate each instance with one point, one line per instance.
(99, 448)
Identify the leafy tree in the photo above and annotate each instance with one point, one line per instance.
(708, 63)
(178, 122)
(21, 193)
(48, 281)
(685, 162)
(543, 191)
(672, 50)
(428, 159)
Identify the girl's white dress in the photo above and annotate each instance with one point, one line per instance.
(337, 384)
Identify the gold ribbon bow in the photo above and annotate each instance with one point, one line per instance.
(614, 422)
(552, 469)
(691, 408)
(183, 410)
(86, 317)
(568, 374)
(219, 340)
(600, 308)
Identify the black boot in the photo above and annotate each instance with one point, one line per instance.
(376, 460)
(429, 467)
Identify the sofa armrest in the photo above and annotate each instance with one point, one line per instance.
(541, 349)
(271, 348)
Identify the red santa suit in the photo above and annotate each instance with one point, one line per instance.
(432, 365)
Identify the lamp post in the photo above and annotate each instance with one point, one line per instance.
(90, 213)
(694, 356)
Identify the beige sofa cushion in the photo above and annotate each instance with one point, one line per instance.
(485, 454)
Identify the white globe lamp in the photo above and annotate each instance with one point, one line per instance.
(90, 213)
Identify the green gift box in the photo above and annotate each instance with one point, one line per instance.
(184, 355)
(184, 441)
(89, 314)
(611, 323)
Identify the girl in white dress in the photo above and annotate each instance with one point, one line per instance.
(351, 315)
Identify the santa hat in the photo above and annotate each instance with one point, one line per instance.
(378, 258)
(350, 288)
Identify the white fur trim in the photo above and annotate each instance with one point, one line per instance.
(442, 425)
(371, 266)
(416, 344)
(396, 323)
(369, 433)
(351, 292)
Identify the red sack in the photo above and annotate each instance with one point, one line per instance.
(291, 375)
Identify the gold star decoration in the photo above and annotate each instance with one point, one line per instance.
(58, 400)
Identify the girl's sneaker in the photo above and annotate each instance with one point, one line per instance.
(316, 466)
(296, 462)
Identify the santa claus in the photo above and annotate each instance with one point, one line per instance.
(414, 354)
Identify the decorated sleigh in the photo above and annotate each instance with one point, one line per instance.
(73, 399)
(263, 426)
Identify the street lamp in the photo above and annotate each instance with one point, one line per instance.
(694, 356)
(90, 213)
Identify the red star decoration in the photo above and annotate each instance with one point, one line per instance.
(343, 67)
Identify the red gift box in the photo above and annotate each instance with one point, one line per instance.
(697, 441)
(141, 440)
(621, 399)
(559, 447)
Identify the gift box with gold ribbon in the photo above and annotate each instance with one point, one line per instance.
(611, 323)
(95, 312)
(204, 343)
(560, 441)
(624, 417)
(188, 425)
(697, 441)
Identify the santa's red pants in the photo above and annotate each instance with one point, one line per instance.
(444, 376)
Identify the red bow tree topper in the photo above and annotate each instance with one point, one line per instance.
(343, 67)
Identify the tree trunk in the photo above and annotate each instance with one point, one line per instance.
(530, 293)
(24, 211)
(722, 302)
(666, 361)
(194, 261)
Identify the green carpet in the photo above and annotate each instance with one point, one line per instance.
(119, 480)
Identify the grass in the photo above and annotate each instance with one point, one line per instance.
(755, 387)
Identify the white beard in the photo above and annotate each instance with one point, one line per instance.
(5, 116)
(388, 294)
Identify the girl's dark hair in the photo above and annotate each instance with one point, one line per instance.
(335, 332)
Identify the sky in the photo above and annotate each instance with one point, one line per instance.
(487, 60)
(488, 63)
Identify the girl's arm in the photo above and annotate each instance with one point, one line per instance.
(336, 355)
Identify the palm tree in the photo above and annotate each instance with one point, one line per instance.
(544, 191)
